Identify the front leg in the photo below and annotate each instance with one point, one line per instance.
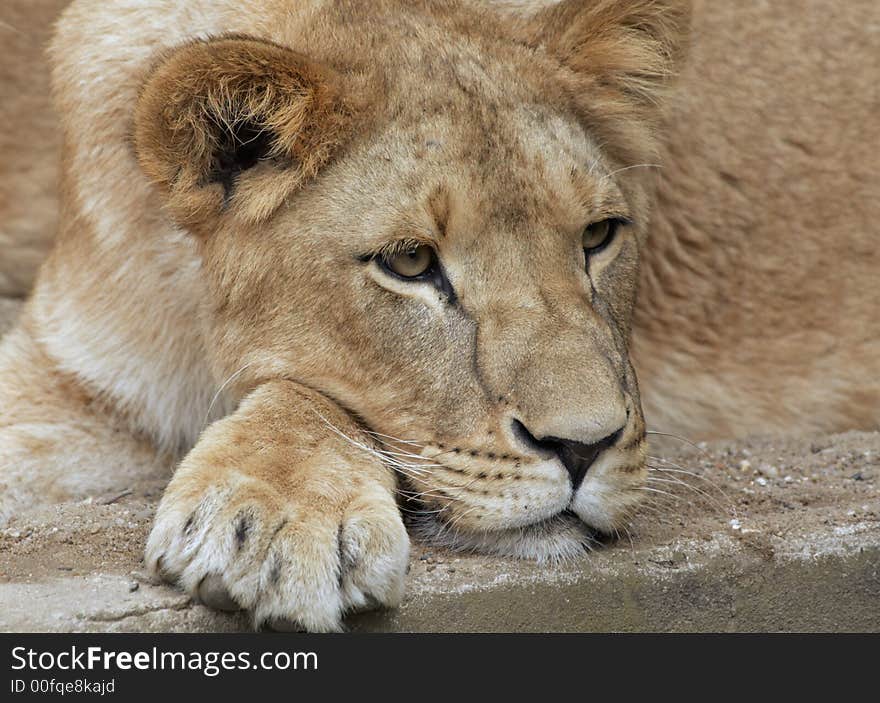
(278, 511)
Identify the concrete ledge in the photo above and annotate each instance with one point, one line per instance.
(816, 582)
(716, 585)
(754, 535)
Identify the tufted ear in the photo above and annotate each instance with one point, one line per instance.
(622, 53)
(236, 124)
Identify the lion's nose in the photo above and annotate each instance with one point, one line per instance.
(575, 456)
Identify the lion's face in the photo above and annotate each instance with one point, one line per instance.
(460, 276)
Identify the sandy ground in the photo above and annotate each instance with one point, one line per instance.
(78, 566)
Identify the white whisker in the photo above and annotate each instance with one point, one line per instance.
(680, 439)
(396, 439)
(657, 490)
(703, 493)
(680, 470)
(220, 390)
(628, 168)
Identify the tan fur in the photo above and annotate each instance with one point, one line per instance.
(758, 303)
(29, 141)
(185, 288)
(239, 82)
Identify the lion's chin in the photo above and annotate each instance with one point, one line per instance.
(558, 538)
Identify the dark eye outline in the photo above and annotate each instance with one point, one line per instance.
(385, 265)
(434, 274)
(614, 225)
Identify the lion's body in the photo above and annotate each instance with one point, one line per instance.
(30, 141)
(759, 311)
(757, 307)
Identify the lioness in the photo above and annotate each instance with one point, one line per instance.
(347, 260)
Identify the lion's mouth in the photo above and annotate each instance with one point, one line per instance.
(546, 498)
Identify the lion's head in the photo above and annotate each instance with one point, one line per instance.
(428, 212)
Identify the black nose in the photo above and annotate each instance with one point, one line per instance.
(576, 457)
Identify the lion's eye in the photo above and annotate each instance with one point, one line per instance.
(412, 263)
(599, 235)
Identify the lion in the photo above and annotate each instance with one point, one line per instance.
(352, 268)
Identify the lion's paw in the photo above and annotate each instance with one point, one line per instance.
(293, 564)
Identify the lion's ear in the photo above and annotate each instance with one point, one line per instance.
(624, 53)
(236, 124)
